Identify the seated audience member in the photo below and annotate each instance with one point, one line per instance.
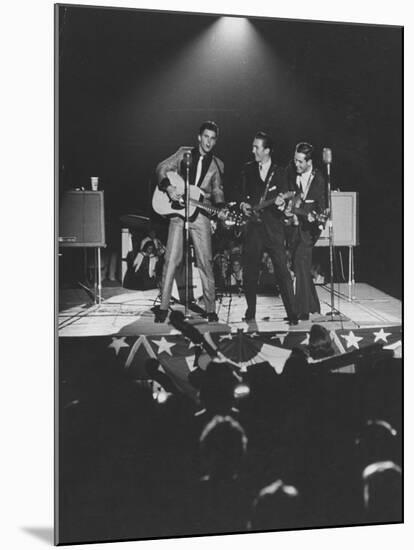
(278, 506)
(216, 387)
(267, 276)
(152, 366)
(320, 343)
(236, 275)
(382, 492)
(159, 248)
(221, 264)
(296, 365)
(223, 445)
(219, 503)
(235, 248)
(141, 275)
(377, 441)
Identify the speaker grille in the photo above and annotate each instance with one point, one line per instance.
(344, 220)
(81, 219)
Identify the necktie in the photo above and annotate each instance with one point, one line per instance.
(261, 171)
(199, 168)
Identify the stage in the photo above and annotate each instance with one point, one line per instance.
(128, 313)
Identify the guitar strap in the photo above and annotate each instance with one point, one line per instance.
(270, 175)
(304, 195)
(218, 167)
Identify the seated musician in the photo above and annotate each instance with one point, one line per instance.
(141, 273)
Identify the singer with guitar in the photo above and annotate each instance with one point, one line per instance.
(205, 172)
(262, 181)
(310, 184)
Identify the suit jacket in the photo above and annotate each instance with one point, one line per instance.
(211, 180)
(316, 200)
(253, 187)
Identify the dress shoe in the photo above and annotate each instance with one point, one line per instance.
(249, 315)
(304, 317)
(160, 315)
(212, 317)
(293, 320)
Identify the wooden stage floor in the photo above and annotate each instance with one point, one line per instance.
(128, 313)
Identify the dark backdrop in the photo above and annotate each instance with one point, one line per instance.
(134, 85)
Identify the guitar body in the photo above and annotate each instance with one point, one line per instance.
(164, 206)
(255, 216)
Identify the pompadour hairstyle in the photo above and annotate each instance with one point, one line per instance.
(305, 148)
(209, 125)
(266, 139)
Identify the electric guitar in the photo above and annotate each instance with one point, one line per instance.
(256, 209)
(298, 209)
(293, 209)
(164, 206)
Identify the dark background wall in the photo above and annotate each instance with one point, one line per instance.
(134, 85)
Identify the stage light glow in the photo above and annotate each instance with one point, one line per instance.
(233, 33)
(233, 25)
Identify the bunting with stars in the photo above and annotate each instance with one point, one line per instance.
(176, 354)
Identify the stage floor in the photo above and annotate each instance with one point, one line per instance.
(128, 313)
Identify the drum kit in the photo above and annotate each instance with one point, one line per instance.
(233, 224)
(135, 221)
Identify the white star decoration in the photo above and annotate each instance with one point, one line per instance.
(381, 335)
(190, 362)
(163, 346)
(352, 340)
(118, 343)
(306, 340)
(226, 337)
(280, 337)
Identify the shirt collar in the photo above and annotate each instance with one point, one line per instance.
(196, 154)
(266, 164)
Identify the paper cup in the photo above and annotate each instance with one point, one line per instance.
(94, 183)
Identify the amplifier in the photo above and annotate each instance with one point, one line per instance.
(81, 219)
(344, 220)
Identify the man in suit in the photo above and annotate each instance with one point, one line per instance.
(310, 184)
(205, 171)
(261, 181)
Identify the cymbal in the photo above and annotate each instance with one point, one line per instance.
(135, 220)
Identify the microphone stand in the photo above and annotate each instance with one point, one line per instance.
(330, 230)
(187, 233)
(333, 311)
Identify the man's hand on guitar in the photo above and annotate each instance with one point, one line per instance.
(246, 208)
(223, 214)
(280, 202)
(172, 193)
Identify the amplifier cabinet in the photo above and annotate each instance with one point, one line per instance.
(81, 219)
(344, 220)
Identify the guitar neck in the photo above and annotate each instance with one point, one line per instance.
(207, 208)
(269, 202)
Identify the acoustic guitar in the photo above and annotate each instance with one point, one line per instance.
(164, 206)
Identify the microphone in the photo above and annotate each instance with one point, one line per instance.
(327, 155)
(187, 159)
(327, 159)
